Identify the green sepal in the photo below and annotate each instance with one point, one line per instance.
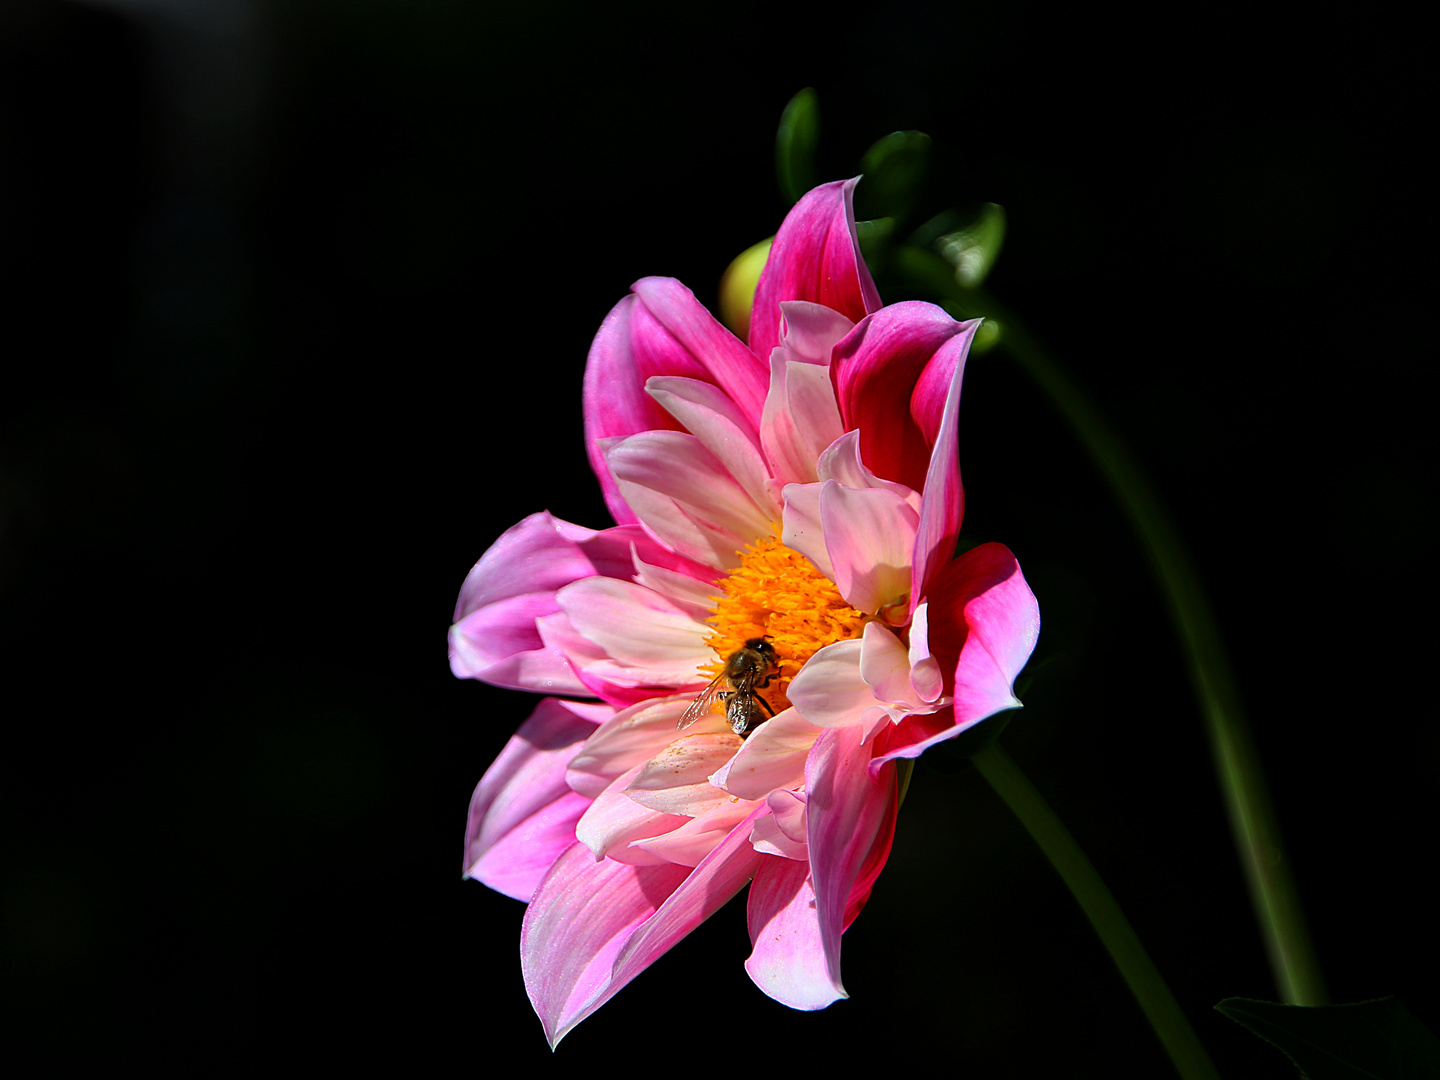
(969, 247)
(895, 169)
(796, 143)
(1363, 1041)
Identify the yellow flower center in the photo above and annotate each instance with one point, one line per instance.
(778, 593)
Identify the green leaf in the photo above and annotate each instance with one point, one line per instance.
(1369, 1040)
(973, 248)
(895, 168)
(796, 144)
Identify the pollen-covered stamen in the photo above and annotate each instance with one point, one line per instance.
(778, 593)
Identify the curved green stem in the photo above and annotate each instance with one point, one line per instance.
(1247, 798)
(1115, 932)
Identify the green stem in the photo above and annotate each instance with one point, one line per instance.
(1115, 931)
(1273, 895)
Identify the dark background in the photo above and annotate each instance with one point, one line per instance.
(296, 300)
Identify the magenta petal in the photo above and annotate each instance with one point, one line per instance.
(724, 358)
(942, 504)
(594, 926)
(517, 862)
(788, 961)
(501, 645)
(876, 369)
(850, 821)
(568, 941)
(984, 619)
(529, 773)
(626, 351)
(815, 257)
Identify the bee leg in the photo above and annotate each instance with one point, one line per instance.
(763, 702)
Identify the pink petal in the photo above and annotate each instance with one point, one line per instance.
(720, 427)
(690, 843)
(783, 832)
(943, 504)
(629, 739)
(829, 691)
(529, 773)
(870, 537)
(788, 960)
(677, 779)
(614, 819)
(885, 666)
(801, 419)
(727, 362)
(568, 942)
(629, 348)
(926, 677)
(841, 462)
(875, 370)
(1002, 621)
(638, 629)
(800, 528)
(598, 927)
(500, 644)
(810, 331)
(517, 862)
(815, 257)
(851, 823)
(662, 472)
(496, 636)
(772, 757)
(983, 614)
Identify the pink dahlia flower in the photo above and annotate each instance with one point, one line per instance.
(804, 490)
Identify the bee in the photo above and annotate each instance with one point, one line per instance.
(747, 669)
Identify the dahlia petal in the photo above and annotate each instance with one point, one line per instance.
(630, 738)
(613, 683)
(829, 691)
(690, 843)
(686, 592)
(850, 820)
(577, 954)
(875, 370)
(926, 677)
(982, 613)
(800, 419)
(568, 942)
(629, 348)
(614, 819)
(768, 839)
(800, 528)
(501, 645)
(841, 462)
(719, 516)
(638, 628)
(722, 429)
(788, 959)
(677, 779)
(529, 773)
(1003, 620)
(727, 362)
(772, 757)
(869, 536)
(816, 257)
(718, 877)
(810, 331)
(943, 504)
(517, 862)
(537, 554)
(885, 666)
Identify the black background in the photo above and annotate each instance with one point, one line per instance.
(296, 304)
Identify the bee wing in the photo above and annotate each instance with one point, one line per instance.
(702, 704)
